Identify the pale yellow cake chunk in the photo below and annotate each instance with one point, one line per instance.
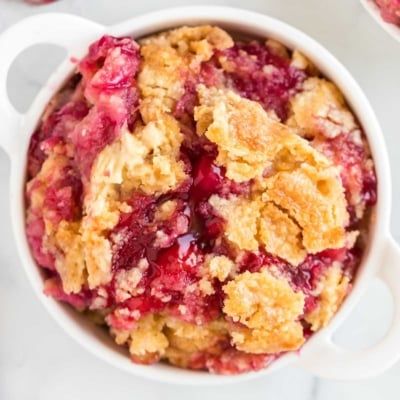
(333, 289)
(167, 58)
(320, 109)
(266, 310)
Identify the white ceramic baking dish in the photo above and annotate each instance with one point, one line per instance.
(382, 256)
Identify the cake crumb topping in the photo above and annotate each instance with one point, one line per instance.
(333, 288)
(265, 311)
(168, 57)
(219, 267)
(320, 109)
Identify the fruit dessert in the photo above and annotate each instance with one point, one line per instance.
(390, 10)
(206, 200)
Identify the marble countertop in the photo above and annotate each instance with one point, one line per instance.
(39, 361)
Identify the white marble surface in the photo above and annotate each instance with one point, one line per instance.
(39, 361)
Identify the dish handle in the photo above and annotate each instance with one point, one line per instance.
(328, 360)
(68, 31)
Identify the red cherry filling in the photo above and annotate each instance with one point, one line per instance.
(390, 10)
(358, 177)
(53, 287)
(107, 81)
(173, 249)
(260, 75)
(169, 282)
(207, 178)
(55, 130)
(35, 231)
(369, 188)
(111, 63)
(133, 234)
(109, 72)
(175, 268)
(63, 199)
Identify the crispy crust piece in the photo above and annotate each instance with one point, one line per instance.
(147, 343)
(333, 289)
(241, 217)
(309, 206)
(265, 310)
(168, 58)
(315, 200)
(280, 234)
(249, 141)
(320, 109)
(220, 267)
(155, 336)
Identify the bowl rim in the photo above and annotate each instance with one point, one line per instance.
(257, 25)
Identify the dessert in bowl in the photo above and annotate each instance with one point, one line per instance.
(205, 199)
(204, 193)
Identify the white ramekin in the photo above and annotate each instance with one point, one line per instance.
(319, 355)
(373, 10)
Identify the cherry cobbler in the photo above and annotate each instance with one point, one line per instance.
(203, 199)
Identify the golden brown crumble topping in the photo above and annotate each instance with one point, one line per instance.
(219, 267)
(71, 266)
(97, 258)
(280, 235)
(333, 289)
(251, 223)
(190, 337)
(170, 56)
(300, 61)
(315, 200)
(126, 281)
(146, 340)
(320, 109)
(187, 340)
(247, 138)
(303, 184)
(249, 141)
(206, 286)
(155, 336)
(146, 160)
(241, 217)
(266, 311)
(165, 210)
(277, 48)
(300, 210)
